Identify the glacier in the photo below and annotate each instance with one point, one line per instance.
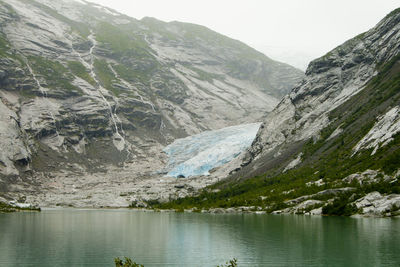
(197, 154)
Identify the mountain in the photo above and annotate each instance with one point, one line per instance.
(332, 144)
(86, 90)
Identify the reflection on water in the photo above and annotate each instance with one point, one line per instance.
(95, 237)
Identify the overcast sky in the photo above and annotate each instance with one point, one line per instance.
(288, 30)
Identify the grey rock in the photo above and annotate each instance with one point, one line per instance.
(302, 207)
(333, 192)
(375, 204)
(367, 177)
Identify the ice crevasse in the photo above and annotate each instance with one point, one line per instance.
(197, 154)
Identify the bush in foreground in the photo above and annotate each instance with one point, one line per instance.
(127, 263)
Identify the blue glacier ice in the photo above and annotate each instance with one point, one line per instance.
(197, 154)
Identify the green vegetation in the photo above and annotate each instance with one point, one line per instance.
(4, 207)
(127, 263)
(231, 263)
(157, 26)
(4, 46)
(125, 46)
(56, 75)
(341, 206)
(393, 13)
(79, 70)
(106, 76)
(195, 32)
(121, 42)
(6, 51)
(133, 75)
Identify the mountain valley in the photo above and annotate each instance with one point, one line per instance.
(103, 110)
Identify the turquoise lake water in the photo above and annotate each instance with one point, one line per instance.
(94, 237)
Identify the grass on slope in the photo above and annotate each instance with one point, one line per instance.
(55, 74)
(122, 42)
(79, 70)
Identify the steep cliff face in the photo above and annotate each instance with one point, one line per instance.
(330, 81)
(83, 86)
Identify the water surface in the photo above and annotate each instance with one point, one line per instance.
(95, 237)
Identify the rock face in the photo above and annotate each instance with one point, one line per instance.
(367, 177)
(375, 204)
(383, 131)
(330, 81)
(83, 87)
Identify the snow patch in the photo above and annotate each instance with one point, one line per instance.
(382, 132)
(197, 154)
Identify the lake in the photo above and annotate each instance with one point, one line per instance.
(72, 237)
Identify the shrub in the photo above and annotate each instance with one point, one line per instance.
(127, 263)
(231, 263)
(340, 207)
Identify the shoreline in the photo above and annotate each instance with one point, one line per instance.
(215, 211)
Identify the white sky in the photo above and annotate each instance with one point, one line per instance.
(286, 30)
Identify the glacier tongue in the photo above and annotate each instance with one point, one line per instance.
(197, 154)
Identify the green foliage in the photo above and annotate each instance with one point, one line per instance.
(79, 70)
(153, 202)
(195, 32)
(122, 42)
(231, 263)
(157, 26)
(383, 187)
(133, 75)
(127, 263)
(56, 75)
(340, 207)
(4, 46)
(4, 207)
(105, 75)
(393, 13)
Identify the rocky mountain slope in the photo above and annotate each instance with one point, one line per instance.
(316, 105)
(83, 87)
(332, 144)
